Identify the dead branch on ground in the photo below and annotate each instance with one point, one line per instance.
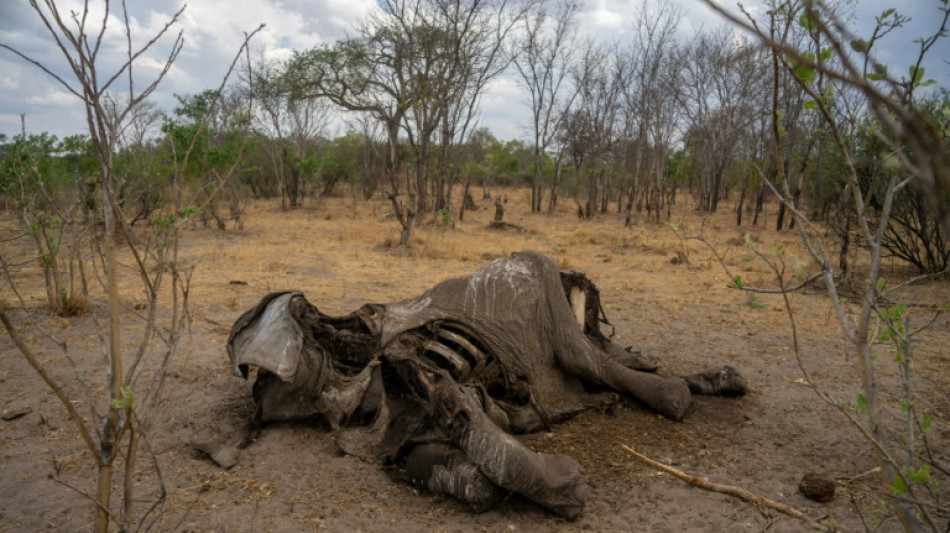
(730, 490)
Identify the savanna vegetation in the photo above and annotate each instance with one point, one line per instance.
(780, 122)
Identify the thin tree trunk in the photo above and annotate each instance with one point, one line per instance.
(465, 199)
(109, 428)
(716, 186)
(745, 186)
(536, 182)
(552, 200)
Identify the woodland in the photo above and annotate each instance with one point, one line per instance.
(776, 138)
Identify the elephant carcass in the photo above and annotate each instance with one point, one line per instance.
(437, 383)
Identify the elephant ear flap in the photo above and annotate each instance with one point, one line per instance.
(267, 336)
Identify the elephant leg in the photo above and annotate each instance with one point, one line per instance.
(725, 380)
(455, 412)
(556, 482)
(444, 469)
(668, 395)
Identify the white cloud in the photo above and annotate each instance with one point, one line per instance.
(603, 16)
(53, 98)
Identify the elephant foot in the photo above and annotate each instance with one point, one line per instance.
(725, 380)
(674, 398)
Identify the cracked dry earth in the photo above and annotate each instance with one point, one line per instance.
(339, 253)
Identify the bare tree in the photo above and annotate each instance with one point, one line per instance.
(290, 125)
(546, 51)
(418, 66)
(482, 53)
(140, 185)
(369, 132)
(600, 76)
(918, 158)
(365, 74)
(122, 417)
(651, 112)
(723, 76)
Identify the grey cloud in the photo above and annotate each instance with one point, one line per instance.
(213, 33)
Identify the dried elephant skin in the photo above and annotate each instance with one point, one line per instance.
(437, 384)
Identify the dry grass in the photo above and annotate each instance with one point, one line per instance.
(344, 253)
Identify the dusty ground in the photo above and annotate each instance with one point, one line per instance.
(339, 253)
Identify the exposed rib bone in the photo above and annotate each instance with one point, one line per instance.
(476, 354)
(457, 361)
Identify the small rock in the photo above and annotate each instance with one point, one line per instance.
(817, 487)
(223, 455)
(16, 412)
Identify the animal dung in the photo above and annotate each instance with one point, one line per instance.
(817, 487)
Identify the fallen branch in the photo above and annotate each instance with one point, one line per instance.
(697, 481)
(498, 224)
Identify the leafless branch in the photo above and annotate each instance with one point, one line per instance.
(729, 490)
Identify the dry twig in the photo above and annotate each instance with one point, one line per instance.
(730, 490)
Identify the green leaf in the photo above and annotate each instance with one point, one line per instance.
(916, 74)
(891, 162)
(898, 486)
(925, 422)
(903, 405)
(919, 475)
(805, 73)
(825, 53)
(874, 76)
(859, 45)
(186, 212)
(896, 313)
(862, 403)
(807, 22)
(809, 104)
(885, 335)
(127, 399)
(737, 282)
(829, 91)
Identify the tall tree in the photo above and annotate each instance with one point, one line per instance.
(547, 46)
(651, 113)
(417, 66)
(600, 76)
(290, 127)
(483, 53)
(723, 80)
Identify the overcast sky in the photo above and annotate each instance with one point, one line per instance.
(213, 31)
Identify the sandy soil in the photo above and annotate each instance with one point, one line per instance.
(340, 254)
